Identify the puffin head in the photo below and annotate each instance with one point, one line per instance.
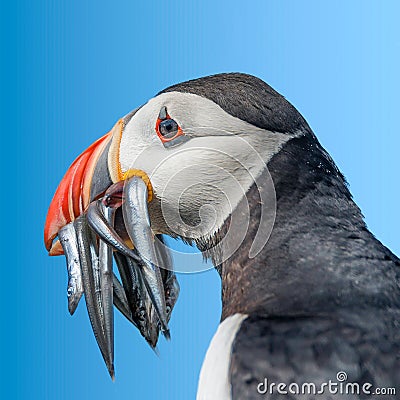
(203, 144)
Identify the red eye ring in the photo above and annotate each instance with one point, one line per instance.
(163, 138)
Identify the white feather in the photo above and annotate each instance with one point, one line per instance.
(214, 382)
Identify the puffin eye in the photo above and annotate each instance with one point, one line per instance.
(168, 130)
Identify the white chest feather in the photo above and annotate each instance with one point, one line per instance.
(214, 383)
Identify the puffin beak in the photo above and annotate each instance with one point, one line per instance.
(84, 223)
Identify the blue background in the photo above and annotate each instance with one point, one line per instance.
(69, 70)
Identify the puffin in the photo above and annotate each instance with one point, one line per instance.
(309, 295)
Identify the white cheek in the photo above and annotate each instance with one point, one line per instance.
(200, 182)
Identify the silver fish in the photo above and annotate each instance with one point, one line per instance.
(137, 223)
(67, 237)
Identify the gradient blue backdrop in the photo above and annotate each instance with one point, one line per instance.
(69, 70)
